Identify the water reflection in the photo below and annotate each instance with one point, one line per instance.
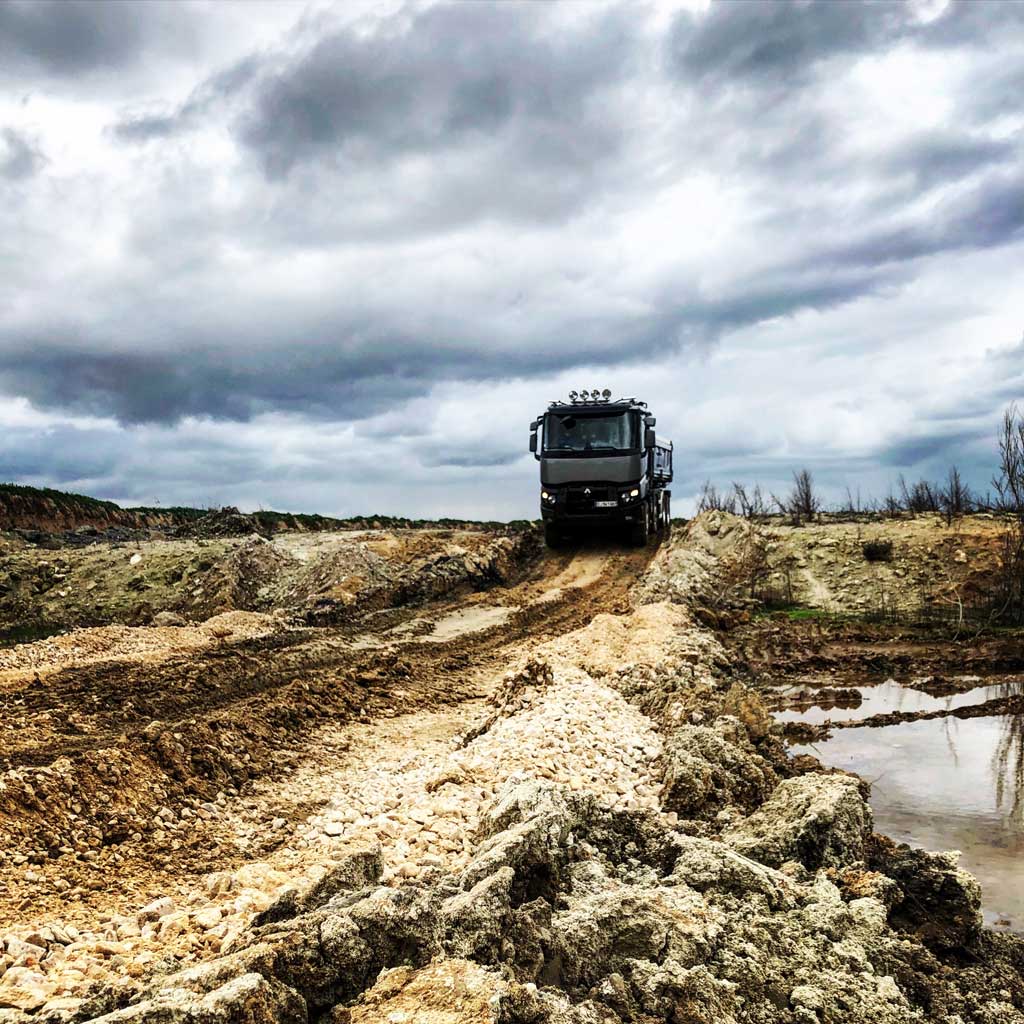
(1008, 761)
(942, 783)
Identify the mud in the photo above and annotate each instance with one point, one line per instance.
(493, 786)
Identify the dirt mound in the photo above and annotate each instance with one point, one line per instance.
(455, 567)
(570, 913)
(931, 565)
(329, 576)
(148, 644)
(707, 563)
(226, 522)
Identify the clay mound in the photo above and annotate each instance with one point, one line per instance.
(340, 576)
(249, 576)
(568, 913)
(706, 563)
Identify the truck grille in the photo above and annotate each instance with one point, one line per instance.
(578, 502)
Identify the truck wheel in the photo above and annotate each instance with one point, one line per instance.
(640, 532)
(668, 516)
(552, 538)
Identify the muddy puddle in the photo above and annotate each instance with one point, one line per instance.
(943, 783)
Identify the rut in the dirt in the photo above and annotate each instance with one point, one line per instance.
(135, 739)
(619, 836)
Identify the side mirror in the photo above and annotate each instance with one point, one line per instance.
(533, 443)
(648, 438)
(650, 421)
(535, 424)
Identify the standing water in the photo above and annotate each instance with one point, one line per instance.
(942, 783)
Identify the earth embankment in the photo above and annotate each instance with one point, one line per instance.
(542, 793)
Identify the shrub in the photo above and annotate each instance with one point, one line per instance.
(877, 550)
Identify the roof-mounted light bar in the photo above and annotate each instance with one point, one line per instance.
(591, 397)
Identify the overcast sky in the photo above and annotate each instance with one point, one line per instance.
(335, 258)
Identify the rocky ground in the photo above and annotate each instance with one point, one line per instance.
(171, 580)
(460, 781)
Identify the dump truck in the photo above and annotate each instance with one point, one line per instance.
(601, 465)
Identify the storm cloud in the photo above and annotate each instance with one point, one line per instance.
(354, 222)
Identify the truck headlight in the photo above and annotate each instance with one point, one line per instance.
(630, 495)
(545, 496)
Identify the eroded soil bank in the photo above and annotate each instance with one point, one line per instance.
(543, 793)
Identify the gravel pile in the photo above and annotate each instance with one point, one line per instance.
(422, 812)
(111, 643)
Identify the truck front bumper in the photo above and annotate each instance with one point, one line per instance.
(621, 513)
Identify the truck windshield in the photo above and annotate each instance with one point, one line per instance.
(574, 432)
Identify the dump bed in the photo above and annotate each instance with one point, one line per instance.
(661, 459)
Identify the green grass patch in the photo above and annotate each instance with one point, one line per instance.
(798, 613)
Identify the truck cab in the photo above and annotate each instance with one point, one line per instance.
(601, 464)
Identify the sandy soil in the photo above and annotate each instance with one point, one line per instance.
(166, 791)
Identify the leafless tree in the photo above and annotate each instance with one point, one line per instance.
(955, 499)
(1009, 501)
(919, 497)
(751, 504)
(803, 504)
(853, 505)
(713, 500)
(892, 504)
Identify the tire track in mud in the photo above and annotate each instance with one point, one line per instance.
(125, 694)
(181, 731)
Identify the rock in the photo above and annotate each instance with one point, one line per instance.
(154, 911)
(19, 948)
(172, 925)
(451, 992)
(248, 999)
(818, 820)
(358, 869)
(166, 618)
(937, 901)
(25, 998)
(207, 918)
(703, 772)
(705, 865)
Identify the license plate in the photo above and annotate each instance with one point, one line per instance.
(605, 504)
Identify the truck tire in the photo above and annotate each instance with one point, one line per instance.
(639, 533)
(668, 515)
(552, 538)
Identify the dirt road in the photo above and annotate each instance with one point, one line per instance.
(149, 757)
(450, 779)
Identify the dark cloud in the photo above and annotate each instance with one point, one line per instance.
(973, 23)
(989, 215)
(272, 367)
(941, 445)
(201, 103)
(785, 42)
(470, 460)
(454, 75)
(144, 127)
(65, 38)
(779, 41)
(19, 156)
(941, 157)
